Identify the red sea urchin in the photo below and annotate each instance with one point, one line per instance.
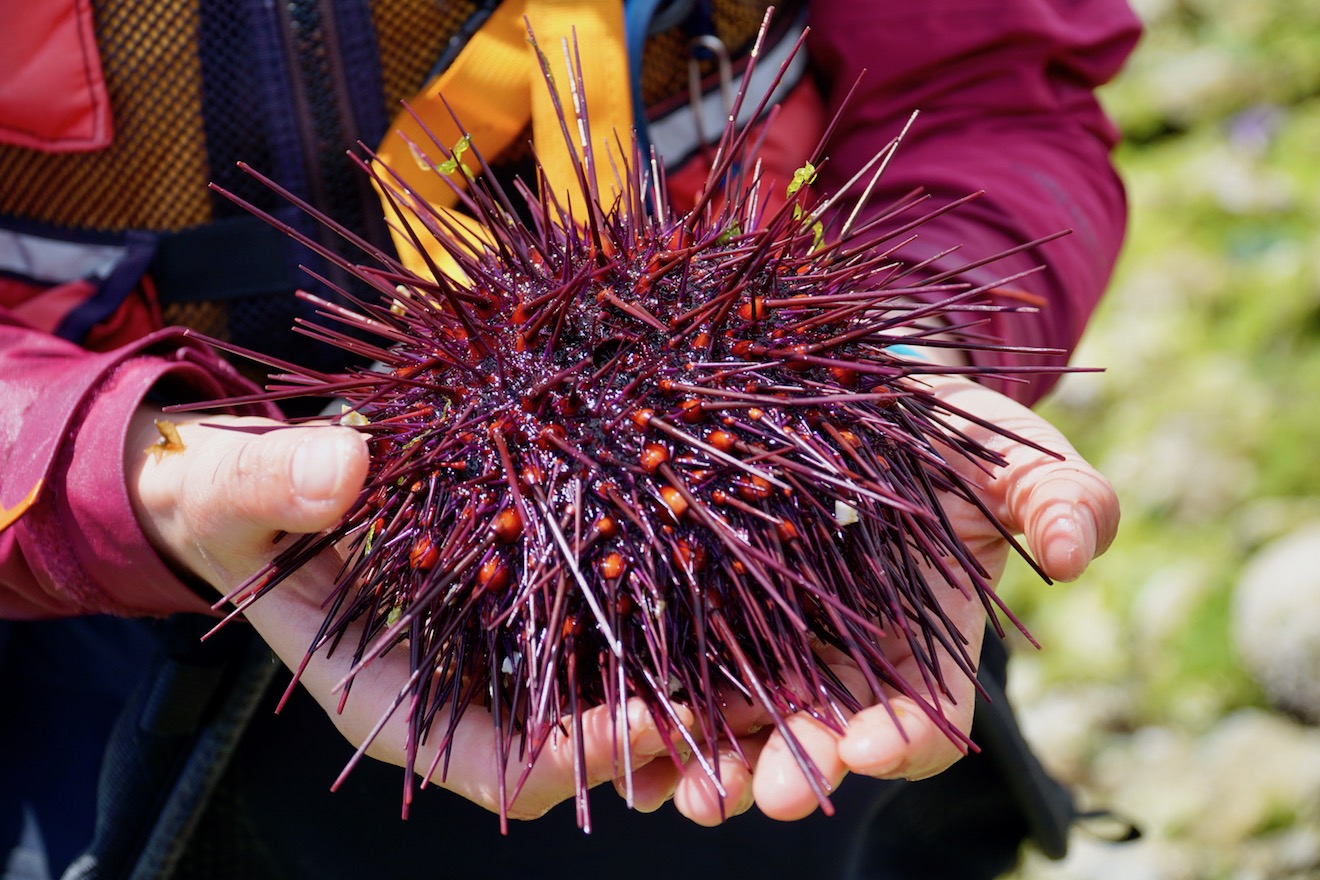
(631, 453)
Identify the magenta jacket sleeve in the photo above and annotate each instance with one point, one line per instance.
(78, 548)
(1005, 94)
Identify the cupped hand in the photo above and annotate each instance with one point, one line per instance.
(1068, 514)
(215, 508)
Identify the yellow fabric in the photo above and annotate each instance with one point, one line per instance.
(10, 515)
(495, 87)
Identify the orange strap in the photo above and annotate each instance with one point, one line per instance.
(495, 87)
(10, 515)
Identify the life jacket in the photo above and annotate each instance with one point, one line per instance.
(107, 228)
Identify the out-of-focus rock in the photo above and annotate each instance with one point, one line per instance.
(1164, 604)
(1253, 774)
(1068, 725)
(1091, 859)
(1276, 620)
(1181, 470)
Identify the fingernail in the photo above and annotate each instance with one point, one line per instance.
(877, 746)
(660, 798)
(1062, 549)
(1088, 533)
(1071, 542)
(316, 467)
(883, 767)
(650, 738)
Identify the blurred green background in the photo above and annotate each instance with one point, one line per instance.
(1208, 421)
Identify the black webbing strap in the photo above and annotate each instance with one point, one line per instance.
(170, 746)
(228, 258)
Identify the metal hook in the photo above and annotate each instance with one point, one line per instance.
(716, 47)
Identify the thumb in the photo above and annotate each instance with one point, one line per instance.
(288, 479)
(215, 504)
(1067, 510)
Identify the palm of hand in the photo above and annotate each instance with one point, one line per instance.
(216, 510)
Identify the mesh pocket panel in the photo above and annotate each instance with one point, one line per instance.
(736, 23)
(154, 174)
(236, 126)
(413, 34)
(204, 317)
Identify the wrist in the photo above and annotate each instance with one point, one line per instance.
(111, 542)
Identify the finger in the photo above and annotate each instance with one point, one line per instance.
(651, 785)
(290, 479)
(214, 505)
(1067, 510)
(780, 785)
(910, 743)
(696, 795)
(1069, 514)
(595, 754)
(906, 745)
(234, 489)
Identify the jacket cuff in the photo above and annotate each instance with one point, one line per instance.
(82, 539)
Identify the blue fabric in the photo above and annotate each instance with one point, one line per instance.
(64, 683)
(637, 21)
(141, 247)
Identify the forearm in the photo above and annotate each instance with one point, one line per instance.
(1005, 94)
(78, 548)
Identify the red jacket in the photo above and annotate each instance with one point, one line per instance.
(1005, 90)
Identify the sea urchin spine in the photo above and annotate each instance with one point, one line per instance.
(630, 453)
